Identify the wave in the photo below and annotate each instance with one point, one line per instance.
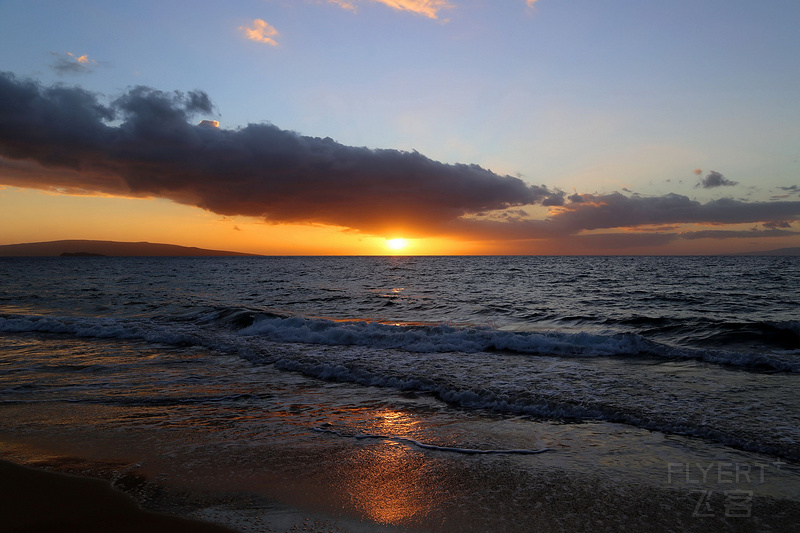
(544, 375)
(438, 338)
(781, 335)
(501, 394)
(442, 337)
(227, 328)
(425, 446)
(100, 328)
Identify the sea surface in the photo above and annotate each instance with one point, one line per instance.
(678, 375)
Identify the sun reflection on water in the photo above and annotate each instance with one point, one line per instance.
(389, 483)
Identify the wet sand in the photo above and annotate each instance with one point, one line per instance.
(50, 499)
(347, 486)
(35, 501)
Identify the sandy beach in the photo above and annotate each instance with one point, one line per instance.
(327, 483)
(49, 499)
(36, 501)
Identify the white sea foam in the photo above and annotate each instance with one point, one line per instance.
(425, 446)
(443, 338)
(212, 329)
(549, 375)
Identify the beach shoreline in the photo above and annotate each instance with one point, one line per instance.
(72, 494)
(48, 483)
(233, 443)
(35, 500)
(350, 485)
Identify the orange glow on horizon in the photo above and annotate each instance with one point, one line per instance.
(33, 215)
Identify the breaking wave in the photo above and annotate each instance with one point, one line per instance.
(231, 329)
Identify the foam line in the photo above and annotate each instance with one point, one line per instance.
(406, 440)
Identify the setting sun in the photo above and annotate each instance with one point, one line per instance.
(396, 244)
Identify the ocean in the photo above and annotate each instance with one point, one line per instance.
(415, 393)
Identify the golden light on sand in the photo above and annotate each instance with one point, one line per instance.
(396, 245)
(392, 483)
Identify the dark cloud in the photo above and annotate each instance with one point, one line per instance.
(775, 224)
(616, 210)
(715, 179)
(733, 234)
(619, 241)
(576, 198)
(554, 199)
(70, 64)
(259, 170)
(149, 143)
(792, 189)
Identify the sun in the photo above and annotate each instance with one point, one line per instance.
(396, 244)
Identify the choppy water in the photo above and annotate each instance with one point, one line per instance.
(702, 348)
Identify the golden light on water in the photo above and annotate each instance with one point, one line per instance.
(391, 485)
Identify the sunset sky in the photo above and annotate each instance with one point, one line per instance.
(460, 126)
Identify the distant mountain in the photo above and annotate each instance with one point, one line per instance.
(779, 251)
(106, 248)
(81, 254)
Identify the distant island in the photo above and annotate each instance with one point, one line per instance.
(81, 254)
(84, 248)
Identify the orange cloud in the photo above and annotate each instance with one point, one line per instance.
(84, 59)
(428, 8)
(261, 32)
(344, 4)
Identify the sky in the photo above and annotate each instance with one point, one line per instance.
(361, 127)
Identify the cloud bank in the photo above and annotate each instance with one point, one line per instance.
(149, 143)
(64, 138)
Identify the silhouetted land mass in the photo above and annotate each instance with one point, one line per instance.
(81, 254)
(78, 248)
(779, 251)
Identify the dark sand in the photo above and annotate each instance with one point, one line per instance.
(38, 501)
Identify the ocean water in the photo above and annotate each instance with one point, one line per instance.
(675, 376)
